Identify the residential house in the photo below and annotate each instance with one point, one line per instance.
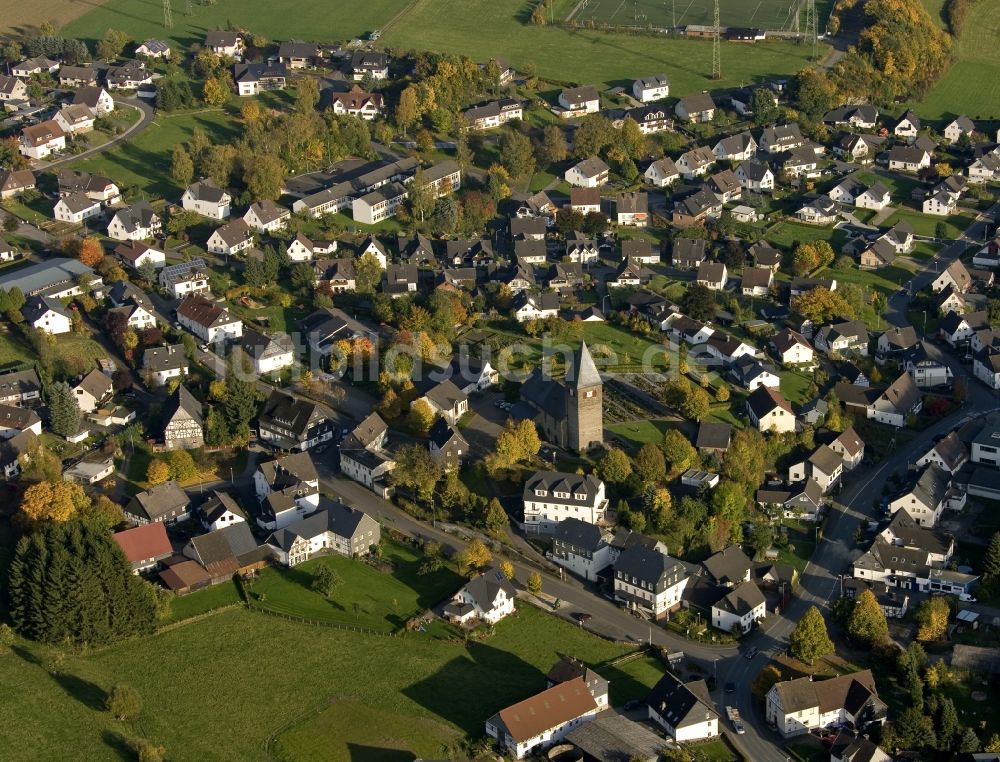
(92, 391)
(446, 445)
(928, 497)
(768, 410)
(494, 114)
(166, 503)
(529, 306)
(780, 138)
(379, 204)
(847, 338)
(182, 421)
(798, 706)
(908, 158)
(739, 609)
(153, 49)
(898, 402)
(875, 197)
(225, 43)
(893, 601)
(801, 501)
(287, 488)
(695, 108)
(712, 275)
(362, 456)
(684, 710)
(542, 720)
(144, 546)
(651, 119)
(291, 423)
(266, 216)
(755, 176)
(231, 238)
(39, 141)
(822, 210)
(792, 348)
(134, 223)
(12, 89)
(957, 328)
(185, 278)
(578, 101)
(736, 148)
(334, 529)
(17, 420)
(948, 453)
(164, 363)
(20, 387)
(880, 253)
(447, 400)
(78, 76)
(896, 341)
(549, 497)
(849, 446)
(226, 552)
(955, 275)
(97, 99)
(254, 79)
(220, 510)
(632, 209)
(696, 208)
(984, 169)
(356, 102)
(129, 76)
(369, 63)
(94, 187)
(908, 126)
(47, 314)
(713, 438)
(696, 162)
(863, 116)
(824, 466)
(209, 321)
(589, 173)
(36, 65)
(654, 88)
(726, 187)
(661, 173)
(649, 581)
(325, 327)
(13, 182)
(302, 249)
(926, 365)
(207, 199)
(269, 354)
(75, 119)
(581, 547)
(488, 597)
(76, 208)
(940, 202)
(986, 366)
(958, 127)
(688, 253)
(296, 54)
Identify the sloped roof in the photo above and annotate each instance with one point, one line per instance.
(548, 709)
(145, 541)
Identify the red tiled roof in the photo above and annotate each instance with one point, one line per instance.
(146, 541)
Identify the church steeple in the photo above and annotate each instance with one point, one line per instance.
(582, 373)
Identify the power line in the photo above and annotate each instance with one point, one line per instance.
(168, 15)
(811, 33)
(716, 52)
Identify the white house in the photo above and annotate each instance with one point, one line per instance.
(266, 216)
(287, 488)
(589, 173)
(654, 88)
(134, 223)
(949, 454)
(92, 391)
(39, 141)
(209, 321)
(824, 466)
(755, 176)
(927, 499)
(231, 238)
(185, 278)
(47, 314)
(798, 706)
(488, 597)
(768, 410)
(958, 127)
(542, 720)
(578, 101)
(75, 208)
(908, 158)
(695, 108)
(337, 529)
(662, 172)
(207, 199)
(153, 48)
(164, 363)
(650, 581)
(269, 353)
(684, 710)
(875, 197)
(136, 254)
(550, 497)
(739, 608)
(75, 119)
(581, 547)
(220, 511)
(529, 306)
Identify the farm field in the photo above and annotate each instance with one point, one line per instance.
(972, 84)
(584, 56)
(312, 20)
(143, 163)
(18, 18)
(765, 14)
(419, 693)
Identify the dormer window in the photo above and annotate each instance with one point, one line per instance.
(540, 492)
(579, 496)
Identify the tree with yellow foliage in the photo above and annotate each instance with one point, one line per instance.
(53, 501)
(157, 472)
(475, 557)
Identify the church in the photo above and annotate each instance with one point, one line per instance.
(569, 413)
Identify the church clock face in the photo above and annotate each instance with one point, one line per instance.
(589, 393)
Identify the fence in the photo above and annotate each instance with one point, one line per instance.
(321, 623)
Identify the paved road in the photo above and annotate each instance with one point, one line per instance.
(146, 115)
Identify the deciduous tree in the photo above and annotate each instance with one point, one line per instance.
(54, 502)
(867, 623)
(157, 472)
(475, 557)
(932, 619)
(124, 702)
(90, 252)
(534, 584)
(615, 467)
(650, 464)
(809, 640)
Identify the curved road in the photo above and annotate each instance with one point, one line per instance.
(146, 115)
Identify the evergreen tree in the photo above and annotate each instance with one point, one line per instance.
(948, 726)
(991, 562)
(64, 409)
(70, 583)
(968, 742)
(913, 730)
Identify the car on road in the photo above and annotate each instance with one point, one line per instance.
(751, 652)
(730, 688)
(633, 704)
(738, 727)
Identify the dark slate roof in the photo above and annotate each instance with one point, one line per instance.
(337, 519)
(579, 534)
(555, 481)
(159, 500)
(650, 566)
(714, 436)
(681, 704)
(217, 504)
(182, 399)
(729, 565)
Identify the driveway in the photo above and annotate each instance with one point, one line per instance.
(146, 115)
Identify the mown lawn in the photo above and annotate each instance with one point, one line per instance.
(143, 162)
(637, 433)
(788, 232)
(972, 84)
(141, 19)
(583, 56)
(218, 689)
(926, 224)
(201, 601)
(366, 597)
(795, 385)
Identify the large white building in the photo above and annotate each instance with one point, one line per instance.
(550, 497)
(648, 580)
(287, 488)
(684, 710)
(798, 706)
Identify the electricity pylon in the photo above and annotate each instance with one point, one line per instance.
(716, 52)
(168, 15)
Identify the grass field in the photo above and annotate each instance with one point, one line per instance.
(366, 597)
(218, 689)
(18, 18)
(789, 232)
(972, 84)
(926, 224)
(765, 14)
(143, 163)
(589, 57)
(144, 18)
